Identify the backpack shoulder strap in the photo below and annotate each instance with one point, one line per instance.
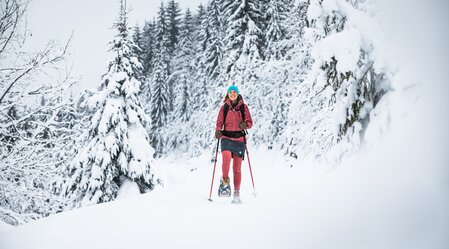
(225, 113)
(242, 110)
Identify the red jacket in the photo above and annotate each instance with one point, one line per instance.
(233, 118)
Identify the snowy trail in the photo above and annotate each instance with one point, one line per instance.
(178, 215)
(295, 207)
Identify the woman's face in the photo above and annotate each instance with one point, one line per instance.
(233, 95)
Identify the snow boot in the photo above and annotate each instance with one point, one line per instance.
(225, 188)
(236, 199)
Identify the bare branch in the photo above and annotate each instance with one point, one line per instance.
(37, 61)
(14, 82)
(12, 12)
(11, 15)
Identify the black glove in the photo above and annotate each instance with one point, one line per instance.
(243, 126)
(218, 134)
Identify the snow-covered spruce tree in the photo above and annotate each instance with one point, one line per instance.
(182, 76)
(202, 30)
(201, 34)
(205, 95)
(160, 103)
(148, 52)
(184, 69)
(214, 47)
(171, 15)
(225, 4)
(276, 29)
(139, 41)
(118, 151)
(201, 37)
(244, 35)
(199, 17)
(148, 48)
(160, 93)
(173, 12)
(348, 78)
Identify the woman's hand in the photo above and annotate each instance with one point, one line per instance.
(243, 126)
(218, 134)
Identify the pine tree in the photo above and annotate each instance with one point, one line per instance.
(173, 24)
(185, 69)
(214, 49)
(118, 149)
(164, 52)
(204, 35)
(137, 50)
(200, 16)
(276, 30)
(182, 76)
(148, 48)
(244, 34)
(148, 51)
(201, 36)
(161, 102)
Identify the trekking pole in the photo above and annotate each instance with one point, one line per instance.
(249, 164)
(213, 173)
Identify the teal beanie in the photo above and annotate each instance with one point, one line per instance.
(233, 88)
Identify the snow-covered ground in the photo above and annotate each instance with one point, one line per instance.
(387, 198)
(4, 226)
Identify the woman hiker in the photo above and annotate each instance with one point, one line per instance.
(232, 121)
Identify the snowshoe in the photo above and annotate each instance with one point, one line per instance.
(236, 199)
(225, 188)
